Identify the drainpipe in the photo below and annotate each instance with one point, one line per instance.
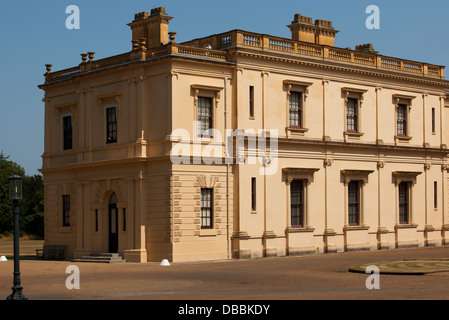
(228, 211)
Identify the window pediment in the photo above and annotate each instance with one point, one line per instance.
(109, 99)
(299, 174)
(300, 86)
(403, 99)
(65, 108)
(405, 176)
(353, 93)
(356, 175)
(209, 91)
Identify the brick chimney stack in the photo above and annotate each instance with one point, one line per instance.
(153, 27)
(320, 32)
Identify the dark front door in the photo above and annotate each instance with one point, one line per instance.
(113, 230)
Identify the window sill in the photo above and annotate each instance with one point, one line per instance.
(299, 230)
(356, 228)
(208, 232)
(353, 134)
(295, 131)
(402, 138)
(406, 226)
(65, 229)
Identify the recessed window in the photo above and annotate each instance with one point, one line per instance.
(297, 203)
(251, 102)
(204, 116)
(124, 220)
(404, 203)
(67, 132)
(96, 220)
(295, 109)
(402, 124)
(435, 195)
(206, 208)
(253, 194)
(433, 121)
(352, 115)
(66, 211)
(354, 203)
(111, 125)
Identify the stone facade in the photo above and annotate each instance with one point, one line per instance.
(359, 163)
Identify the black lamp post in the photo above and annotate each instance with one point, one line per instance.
(15, 194)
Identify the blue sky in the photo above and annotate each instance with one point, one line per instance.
(33, 33)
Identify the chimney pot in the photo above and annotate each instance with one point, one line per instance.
(368, 47)
(141, 15)
(157, 11)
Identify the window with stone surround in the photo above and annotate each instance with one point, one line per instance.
(298, 181)
(207, 208)
(353, 100)
(297, 93)
(354, 181)
(403, 105)
(404, 182)
(206, 100)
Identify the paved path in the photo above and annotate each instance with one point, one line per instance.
(319, 277)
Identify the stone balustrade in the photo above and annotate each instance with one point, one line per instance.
(214, 47)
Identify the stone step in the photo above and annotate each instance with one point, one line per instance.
(101, 258)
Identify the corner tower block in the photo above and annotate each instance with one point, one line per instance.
(152, 27)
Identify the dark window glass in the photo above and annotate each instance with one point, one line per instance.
(96, 220)
(67, 132)
(404, 206)
(251, 101)
(352, 115)
(253, 194)
(204, 115)
(295, 109)
(297, 203)
(206, 208)
(433, 121)
(353, 203)
(66, 211)
(111, 125)
(402, 120)
(435, 194)
(124, 220)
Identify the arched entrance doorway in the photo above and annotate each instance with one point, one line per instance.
(113, 221)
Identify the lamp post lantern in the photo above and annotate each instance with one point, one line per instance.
(15, 194)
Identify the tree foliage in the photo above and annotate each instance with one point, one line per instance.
(31, 207)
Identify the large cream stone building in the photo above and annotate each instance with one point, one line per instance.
(351, 149)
